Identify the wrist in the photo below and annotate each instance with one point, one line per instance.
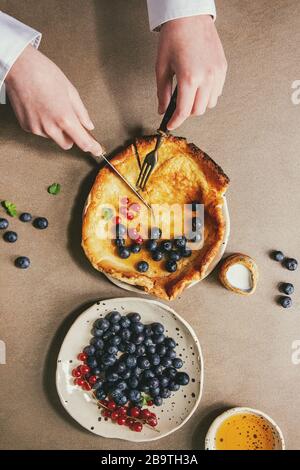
(24, 57)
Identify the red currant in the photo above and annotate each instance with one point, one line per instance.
(82, 357)
(135, 412)
(106, 413)
(132, 233)
(111, 405)
(130, 216)
(76, 373)
(150, 403)
(125, 200)
(117, 220)
(139, 240)
(137, 427)
(114, 415)
(152, 422)
(84, 369)
(135, 207)
(79, 382)
(124, 211)
(86, 386)
(122, 411)
(129, 422)
(145, 414)
(93, 379)
(121, 420)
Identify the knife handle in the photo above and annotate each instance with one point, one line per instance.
(169, 112)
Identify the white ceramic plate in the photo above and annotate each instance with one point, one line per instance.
(215, 261)
(175, 411)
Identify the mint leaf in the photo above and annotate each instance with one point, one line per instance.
(54, 188)
(145, 399)
(10, 208)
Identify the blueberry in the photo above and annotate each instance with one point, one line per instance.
(154, 392)
(151, 245)
(98, 343)
(166, 245)
(113, 317)
(171, 266)
(130, 348)
(115, 328)
(165, 393)
(91, 362)
(100, 393)
(186, 252)
(157, 328)
(143, 362)
(112, 377)
(134, 317)
(121, 400)
(25, 217)
(3, 224)
(138, 338)
(196, 224)
(174, 255)
(115, 341)
(158, 370)
(171, 353)
(163, 381)
(195, 205)
(158, 339)
(147, 374)
(140, 350)
(122, 346)
(151, 349)
(102, 324)
(161, 350)
(41, 223)
(121, 385)
(277, 256)
(144, 388)
(287, 288)
(124, 253)
(166, 361)
(119, 242)
(136, 372)
(137, 327)
(180, 242)
(148, 330)
(108, 360)
(96, 332)
(116, 393)
(120, 230)
(106, 335)
(126, 375)
(22, 262)
(157, 255)
(134, 395)
(154, 359)
(182, 378)
(131, 361)
(195, 237)
(170, 343)
(135, 248)
(285, 301)
(148, 341)
(133, 382)
(153, 382)
(112, 350)
(170, 372)
(10, 237)
(97, 384)
(142, 266)
(158, 401)
(89, 350)
(291, 264)
(155, 233)
(125, 334)
(173, 386)
(177, 363)
(96, 371)
(125, 322)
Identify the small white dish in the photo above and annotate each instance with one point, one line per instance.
(210, 440)
(174, 412)
(215, 261)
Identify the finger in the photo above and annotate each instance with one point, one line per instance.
(185, 101)
(214, 95)
(164, 80)
(56, 134)
(80, 110)
(82, 138)
(201, 101)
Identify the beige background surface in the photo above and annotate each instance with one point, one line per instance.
(106, 49)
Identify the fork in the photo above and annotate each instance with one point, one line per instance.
(151, 158)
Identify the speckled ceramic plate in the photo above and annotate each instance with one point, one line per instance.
(215, 261)
(175, 411)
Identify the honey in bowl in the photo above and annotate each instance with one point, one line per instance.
(245, 431)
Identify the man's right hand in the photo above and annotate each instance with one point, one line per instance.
(47, 104)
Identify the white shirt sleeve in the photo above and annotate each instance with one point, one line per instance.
(161, 11)
(14, 37)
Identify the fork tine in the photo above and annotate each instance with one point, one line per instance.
(143, 169)
(146, 177)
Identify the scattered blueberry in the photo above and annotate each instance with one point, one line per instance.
(142, 266)
(287, 288)
(10, 237)
(291, 264)
(41, 223)
(177, 363)
(180, 242)
(174, 255)
(182, 378)
(171, 266)
(155, 233)
(277, 255)
(119, 242)
(25, 217)
(120, 230)
(166, 245)
(123, 252)
(285, 301)
(196, 224)
(157, 255)
(135, 248)
(151, 245)
(3, 224)
(186, 252)
(22, 262)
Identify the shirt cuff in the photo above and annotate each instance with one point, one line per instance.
(161, 11)
(14, 37)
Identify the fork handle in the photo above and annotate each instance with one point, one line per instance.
(169, 112)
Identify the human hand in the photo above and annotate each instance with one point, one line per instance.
(190, 49)
(47, 104)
